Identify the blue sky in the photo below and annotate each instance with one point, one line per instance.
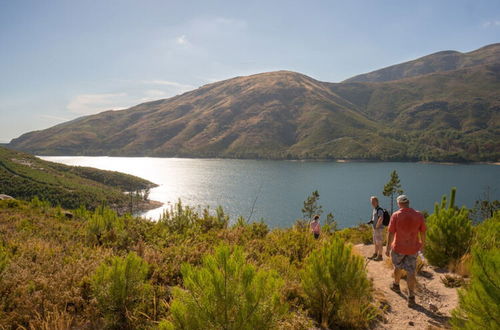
(63, 59)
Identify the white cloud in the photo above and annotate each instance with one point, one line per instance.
(94, 103)
(202, 31)
(137, 91)
(491, 24)
(182, 40)
(167, 83)
(154, 94)
(51, 117)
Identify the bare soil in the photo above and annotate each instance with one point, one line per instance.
(434, 301)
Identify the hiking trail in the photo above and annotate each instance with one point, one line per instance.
(434, 301)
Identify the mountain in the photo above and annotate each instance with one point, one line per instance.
(445, 115)
(25, 176)
(439, 62)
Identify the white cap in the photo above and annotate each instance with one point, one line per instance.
(403, 199)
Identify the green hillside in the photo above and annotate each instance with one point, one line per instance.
(442, 115)
(24, 176)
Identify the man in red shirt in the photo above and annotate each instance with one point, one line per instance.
(406, 237)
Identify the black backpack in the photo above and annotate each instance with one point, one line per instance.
(387, 217)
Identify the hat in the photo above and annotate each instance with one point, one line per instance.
(403, 199)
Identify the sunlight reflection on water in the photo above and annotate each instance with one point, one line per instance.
(280, 187)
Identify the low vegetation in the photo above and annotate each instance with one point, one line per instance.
(24, 176)
(449, 233)
(196, 267)
(480, 300)
(101, 270)
(227, 293)
(336, 287)
(120, 289)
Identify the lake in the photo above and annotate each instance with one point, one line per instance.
(277, 189)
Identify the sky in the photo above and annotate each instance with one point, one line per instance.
(60, 60)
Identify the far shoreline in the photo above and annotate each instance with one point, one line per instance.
(292, 160)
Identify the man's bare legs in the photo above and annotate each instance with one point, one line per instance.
(397, 275)
(379, 249)
(412, 282)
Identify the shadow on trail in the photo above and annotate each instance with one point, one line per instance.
(437, 319)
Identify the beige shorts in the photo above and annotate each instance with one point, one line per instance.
(378, 235)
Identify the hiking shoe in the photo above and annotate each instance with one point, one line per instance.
(395, 287)
(411, 301)
(373, 256)
(379, 258)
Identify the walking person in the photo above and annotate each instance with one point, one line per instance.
(315, 226)
(406, 237)
(378, 229)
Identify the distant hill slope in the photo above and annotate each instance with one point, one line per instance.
(450, 115)
(438, 62)
(24, 176)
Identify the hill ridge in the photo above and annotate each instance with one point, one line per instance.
(451, 115)
(441, 61)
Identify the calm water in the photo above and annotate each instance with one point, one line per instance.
(279, 188)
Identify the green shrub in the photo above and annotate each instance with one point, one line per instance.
(121, 289)
(258, 229)
(362, 233)
(180, 218)
(294, 243)
(449, 233)
(44, 205)
(226, 293)
(337, 290)
(479, 306)
(103, 226)
(10, 203)
(208, 222)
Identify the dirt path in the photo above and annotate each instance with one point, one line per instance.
(434, 300)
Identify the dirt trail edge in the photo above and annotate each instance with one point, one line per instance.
(434, 300)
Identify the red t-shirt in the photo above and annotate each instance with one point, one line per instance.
(406, 223)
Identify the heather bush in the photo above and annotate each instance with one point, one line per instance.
(356, 235)
(294, 243)
(449, 233)
(4, 259)
(337, 290)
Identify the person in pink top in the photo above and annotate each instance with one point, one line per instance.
(405, 238)
(315, 226)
